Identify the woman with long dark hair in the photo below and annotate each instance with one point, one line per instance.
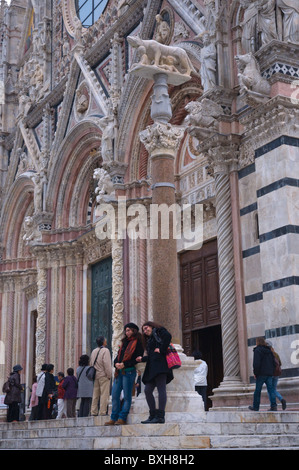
(125, 374)
(156, 374)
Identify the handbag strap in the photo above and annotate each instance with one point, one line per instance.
(97, 355)
(81, 372)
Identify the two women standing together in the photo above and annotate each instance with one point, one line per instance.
(151, 348)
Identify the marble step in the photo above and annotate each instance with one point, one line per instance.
(213, 430)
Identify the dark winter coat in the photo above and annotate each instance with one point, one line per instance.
(14, 395)
(49, 388)
(70, 385)
(263, 361)
(156, 363)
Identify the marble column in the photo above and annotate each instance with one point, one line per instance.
(162, 141)
(41, 324)
(222, 156)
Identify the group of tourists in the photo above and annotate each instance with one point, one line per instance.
(57, 396)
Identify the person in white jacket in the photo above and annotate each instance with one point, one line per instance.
(200, 377)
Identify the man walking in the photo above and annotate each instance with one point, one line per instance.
(263, 369)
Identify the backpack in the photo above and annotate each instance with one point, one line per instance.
(6, 387)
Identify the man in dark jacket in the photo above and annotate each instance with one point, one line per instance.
(263, 369)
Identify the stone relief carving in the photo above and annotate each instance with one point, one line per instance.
(104, 190)
(253, 87)
(41, 318)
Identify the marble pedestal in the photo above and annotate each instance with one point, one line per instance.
(184, 404)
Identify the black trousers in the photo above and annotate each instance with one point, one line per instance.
(160, 382)
(13, 412)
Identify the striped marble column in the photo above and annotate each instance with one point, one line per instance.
(222, 156)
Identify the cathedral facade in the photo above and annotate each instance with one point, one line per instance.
(111, 108)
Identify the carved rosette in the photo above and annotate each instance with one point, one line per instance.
(162, 137)
(41, 318)
(117, 293)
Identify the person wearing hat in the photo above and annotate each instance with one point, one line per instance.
(13, 396)
(125, 374)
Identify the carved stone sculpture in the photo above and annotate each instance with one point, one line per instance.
(107, 125)
(267, 21)
(249, 25)
(208, 63)
(251, 82)
(104, 188)
(156, 57)
(31, 231)
(290, 20)
(203, 113)
(163, 30)
(202, 117)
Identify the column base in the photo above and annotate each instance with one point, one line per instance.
(232, 393)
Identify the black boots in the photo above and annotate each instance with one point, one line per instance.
(152, 414)
(157, 416)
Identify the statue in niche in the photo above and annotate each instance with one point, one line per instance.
(289, 20)
(208, 63)
(38, 193)
(104, 189)
(23, 160)
(78, 31)
(249, 25)
(153, 54)
(163, 30)
(108, 126)
(266, 21)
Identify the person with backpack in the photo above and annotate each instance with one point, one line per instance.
(13, 389)
(277, 373)
(263, 369)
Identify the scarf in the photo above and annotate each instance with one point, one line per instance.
(131, 346)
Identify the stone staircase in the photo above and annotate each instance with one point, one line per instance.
(205, 430)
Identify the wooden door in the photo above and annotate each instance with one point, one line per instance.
(101, 301)
(200, 303)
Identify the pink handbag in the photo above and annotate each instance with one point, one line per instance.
(172, 357)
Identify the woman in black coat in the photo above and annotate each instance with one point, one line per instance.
(156, 374)
(13, 396)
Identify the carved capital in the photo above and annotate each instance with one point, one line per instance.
(222, 152)
(162, 138)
